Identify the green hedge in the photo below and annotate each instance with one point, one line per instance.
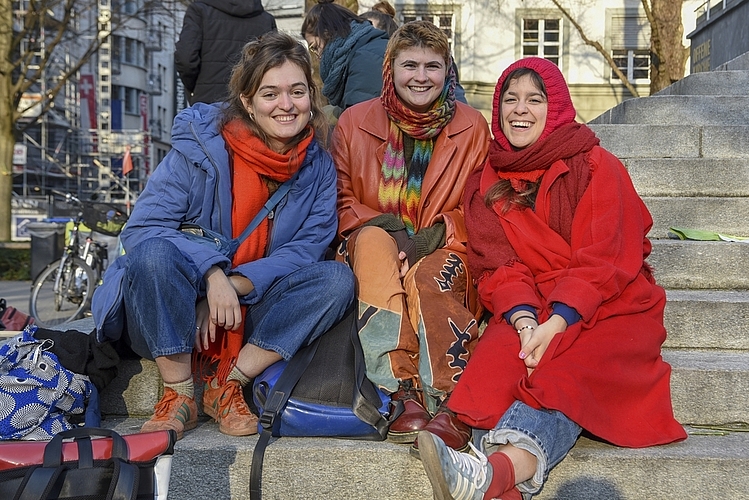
(15, 264)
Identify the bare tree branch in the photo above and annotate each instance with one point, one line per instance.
(596, 45)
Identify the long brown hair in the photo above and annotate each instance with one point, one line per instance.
(502, 189)
(271, 50)
(328, 21)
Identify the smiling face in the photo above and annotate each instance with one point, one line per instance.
(281, 106)
(419, 77)
(523, 112)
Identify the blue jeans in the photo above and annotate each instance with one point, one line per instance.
(162, 287)
(547, 434)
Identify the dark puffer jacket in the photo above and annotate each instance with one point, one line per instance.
(212, 37)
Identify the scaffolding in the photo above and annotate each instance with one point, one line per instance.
(62, 153)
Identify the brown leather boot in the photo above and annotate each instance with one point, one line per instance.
(449, 428)
(414, 417)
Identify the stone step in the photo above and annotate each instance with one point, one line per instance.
(708, 387)
(689, 177)
(208, 464)
(710, 83)
(674, 141)
(680, 110)
(700, 265)
(709, 319)
(725, 215)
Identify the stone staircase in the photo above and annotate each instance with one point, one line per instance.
(687, 150)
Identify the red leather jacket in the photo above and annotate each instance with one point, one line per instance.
(358, 147)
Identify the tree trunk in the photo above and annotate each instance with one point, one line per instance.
(669, 56)
(7, 140)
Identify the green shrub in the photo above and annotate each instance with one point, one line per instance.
(15, 264)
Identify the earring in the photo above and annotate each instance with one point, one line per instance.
(311, 114)
(252, 115)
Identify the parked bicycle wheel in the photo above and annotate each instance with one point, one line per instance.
(62, 292)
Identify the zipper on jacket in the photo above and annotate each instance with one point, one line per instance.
(218, 175)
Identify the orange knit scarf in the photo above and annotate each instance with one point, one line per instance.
(252, 163)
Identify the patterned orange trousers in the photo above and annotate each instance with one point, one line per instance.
(416, 327)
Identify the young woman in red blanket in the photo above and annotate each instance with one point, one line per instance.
(557, 241)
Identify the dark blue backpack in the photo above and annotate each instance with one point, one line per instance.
(322, 391)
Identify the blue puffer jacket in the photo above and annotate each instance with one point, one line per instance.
(193, 184)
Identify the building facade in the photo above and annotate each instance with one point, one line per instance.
(121, 100)
(125, 98)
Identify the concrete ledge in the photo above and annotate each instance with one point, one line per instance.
(689, 177)
(709, 387)
(679, 110)
(649, 141)
(700, 265)
(208, 464)
(707, 319)
(734, 82)
(725, 215)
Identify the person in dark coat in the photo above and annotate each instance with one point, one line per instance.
(213, 34)
(351, 52)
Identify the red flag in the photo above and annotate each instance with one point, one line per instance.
(127, 162)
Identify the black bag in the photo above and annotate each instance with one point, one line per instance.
(132, 467)
(322, 391)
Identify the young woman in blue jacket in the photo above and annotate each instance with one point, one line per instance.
(187, 306)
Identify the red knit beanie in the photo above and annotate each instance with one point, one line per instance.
(560, 111)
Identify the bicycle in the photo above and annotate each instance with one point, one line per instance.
(63, 291)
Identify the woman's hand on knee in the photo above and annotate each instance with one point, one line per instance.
(223, 303)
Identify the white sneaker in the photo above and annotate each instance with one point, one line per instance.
(454, 475)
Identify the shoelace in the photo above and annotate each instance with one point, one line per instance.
(230, 393)
(163, 406)
(409, 391)
(472, 471)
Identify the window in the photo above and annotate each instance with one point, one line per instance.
(128, 50)
(129, 98)
(630, 46)
(542, 38)
(443, 19)
(635, 64)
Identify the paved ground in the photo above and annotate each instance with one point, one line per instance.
(16, 294)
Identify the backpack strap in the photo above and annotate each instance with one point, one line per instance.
(362, 407)
(270, 421)
(263, 213)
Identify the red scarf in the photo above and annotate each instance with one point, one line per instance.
(561, 139)
(252, 163)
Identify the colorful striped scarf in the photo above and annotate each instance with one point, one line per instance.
(400, 187)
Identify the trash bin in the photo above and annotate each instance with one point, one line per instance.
(47, 244)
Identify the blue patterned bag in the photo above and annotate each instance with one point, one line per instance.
(36, 391)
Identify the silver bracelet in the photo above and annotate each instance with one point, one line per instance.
(520, 330)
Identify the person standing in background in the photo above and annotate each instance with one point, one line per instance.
(212, 37)
(350, 51)
(382, 17)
